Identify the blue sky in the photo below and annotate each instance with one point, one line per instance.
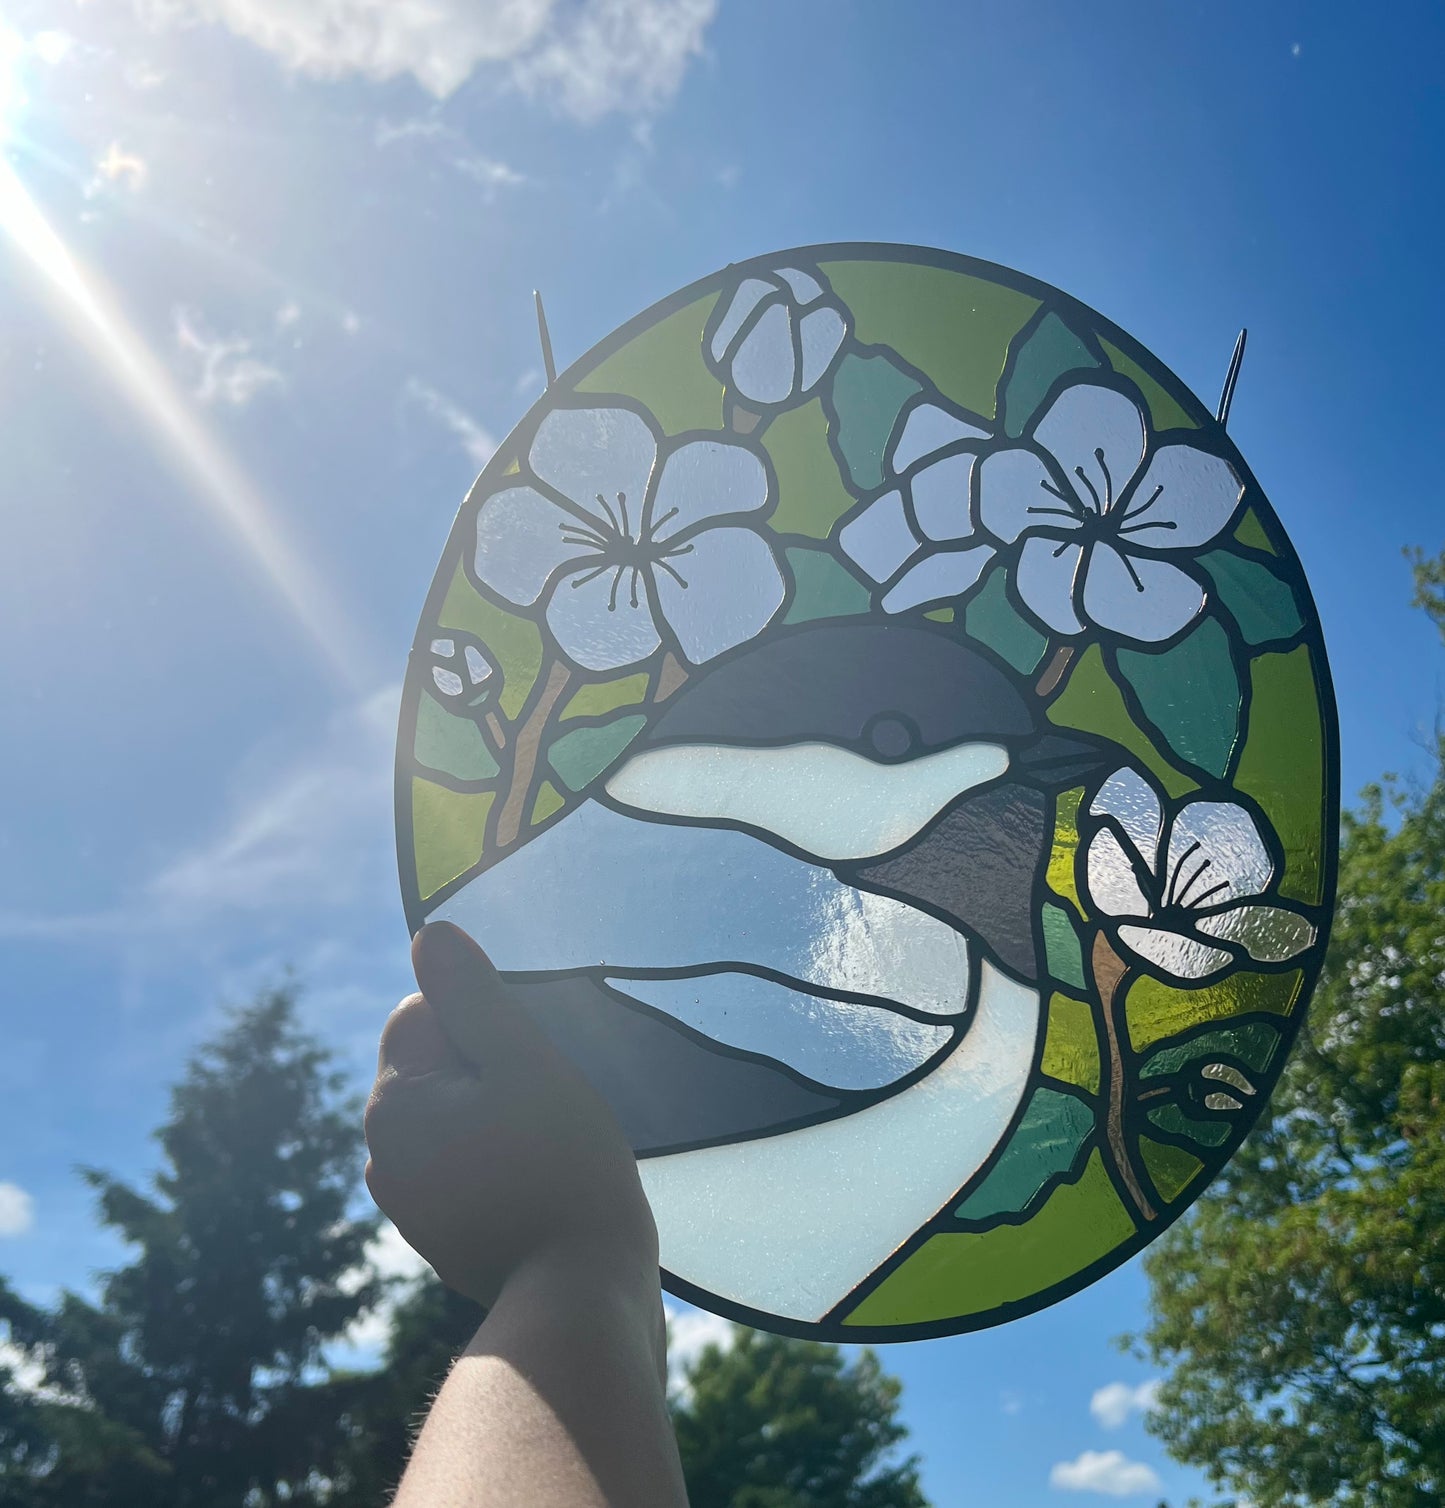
(265, 306)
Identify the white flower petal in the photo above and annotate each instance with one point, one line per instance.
(1216, 855)
(926, 428)
(587, 453)
(447, 647)
(707, 479)
(1113, 885)
(1184, 957)
(1134, 804)
(522, 538)
(805, 288)
(880, 539)
(1138, 597)
(1097, 436)
(448, 682)
(1014, 496)
(720, 588)
(1267, 933)
(940, 498)
(820, 334)
(1184, 499)
(948, 573)
(765, 366)
(602, 620)
(1044, 578)
(750, 293)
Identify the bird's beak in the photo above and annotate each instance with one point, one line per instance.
(1058, 760)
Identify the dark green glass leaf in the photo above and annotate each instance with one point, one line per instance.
(1209, 1133)
(581, 755)
(1189, 695)
(1047, 1142)
(1252, 1042)
(1061, 944)
(1261, 604)
(452, 745)
(1048, 351)
(992, 619)
(823, 588)
(868, 394)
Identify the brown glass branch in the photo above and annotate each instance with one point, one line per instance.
(1109, 970)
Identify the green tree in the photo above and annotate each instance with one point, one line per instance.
(1301, 1306)
(198, 1378)
(776, 1423)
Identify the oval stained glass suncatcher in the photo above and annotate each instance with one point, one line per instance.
(872, 714)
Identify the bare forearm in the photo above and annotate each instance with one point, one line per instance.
(559, 1401)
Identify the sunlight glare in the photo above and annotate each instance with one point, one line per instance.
(148, 386)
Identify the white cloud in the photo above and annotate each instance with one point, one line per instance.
(288, 314)
(1011, 1402)
(689, 1333)
(17, 1210)
(225, 371)
(1107, 1471)
(391, 1257)
(470, 435)
(1114, 1402)
(585, 57)
(489, 172)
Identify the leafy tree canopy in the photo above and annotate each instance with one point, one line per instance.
(1301, 1306)
(198, 1378)
(777, 1423)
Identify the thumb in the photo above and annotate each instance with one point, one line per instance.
(469, 996)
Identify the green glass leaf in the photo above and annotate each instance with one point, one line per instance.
(1061, 946)
(1252, 1042)
(868, 393)
(1261, 604)
(1189, 695)
(993, 620)
(1171, 1169)
(450, 744)
(1048, 351)
(811, 494)
(823, 588)
(580, 756)
(1047, 1142)
(1208, 1133)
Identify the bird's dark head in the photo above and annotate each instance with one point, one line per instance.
(908, 760)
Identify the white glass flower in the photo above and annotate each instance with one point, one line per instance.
(916, 538)
(776, 337)
(632, 541)
(462, 671)
(1101, 520)
(1187, 894)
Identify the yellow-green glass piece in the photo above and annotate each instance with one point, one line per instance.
(1155, 1010)
(515, 643)
(1071, 1043)
(663, 369)
(811, 494)
(549, 799)
(1165, 411)
(1062, 868)
(599, 697)
(1171, 1169)
(1251, 532)
(955, 327)
(968, 1273)
(449, 827)
(1283, 764)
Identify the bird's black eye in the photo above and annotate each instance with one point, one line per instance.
(891, 736)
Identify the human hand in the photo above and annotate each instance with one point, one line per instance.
(489, 1150)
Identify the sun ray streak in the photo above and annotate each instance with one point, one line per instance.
(203, 461)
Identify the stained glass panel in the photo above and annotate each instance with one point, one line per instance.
(872, 716)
